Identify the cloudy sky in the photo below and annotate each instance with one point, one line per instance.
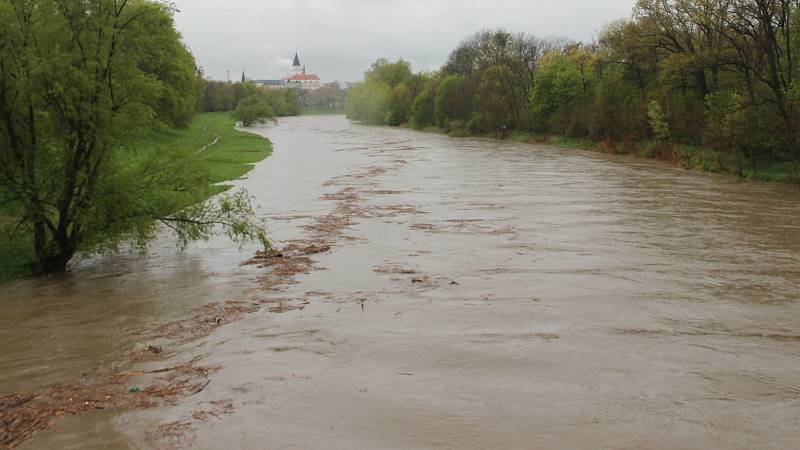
(339, 39)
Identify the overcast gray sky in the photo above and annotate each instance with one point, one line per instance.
(339, 39)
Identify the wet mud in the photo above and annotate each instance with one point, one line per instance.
(458, 293)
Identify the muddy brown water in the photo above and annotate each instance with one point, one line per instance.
(488, 295)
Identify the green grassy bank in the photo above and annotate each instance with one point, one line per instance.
(227, 153)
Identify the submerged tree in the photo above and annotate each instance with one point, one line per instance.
(252, 110)
(81, 82)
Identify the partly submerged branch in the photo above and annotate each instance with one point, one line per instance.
(233, 212)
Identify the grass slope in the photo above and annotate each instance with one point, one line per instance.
(232, 155)
(229, 153)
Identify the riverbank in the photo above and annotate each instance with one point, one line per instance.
(689, 157)
(227, 154)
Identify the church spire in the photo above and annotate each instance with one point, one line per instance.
(296, 61)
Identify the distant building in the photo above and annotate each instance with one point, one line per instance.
(297, 69)
(300, 79)
(297, 79)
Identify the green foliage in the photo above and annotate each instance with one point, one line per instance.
(223, 96)
(368, 102)
(242, 90)
(254, 110)
(15, 247)
(219, 96)
(658, 122)
(452, 101)
(557, 85)
(399, 105)
(391, 74)
(163, 55)
(676, 71)
(493, 111)
(82, 83)
(206, 153)
(423, 109)
(616, 107)
(200, 87)
(385, 97)
(329, 97)
(488, 50)
(285, 102)
(225, 153)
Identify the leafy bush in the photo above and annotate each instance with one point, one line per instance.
(658, 122)
(253, 110)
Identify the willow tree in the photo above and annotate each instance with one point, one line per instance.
(81, 82)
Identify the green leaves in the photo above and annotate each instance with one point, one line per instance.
(557, 85)
(385, 96)
(252, 110)
(423, 110)
(82, 84)
(232, 212)
(685, 72)
(658, 122)
(368, 102)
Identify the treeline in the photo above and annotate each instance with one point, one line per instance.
(712, 84)
(214, 96)
(330, 97)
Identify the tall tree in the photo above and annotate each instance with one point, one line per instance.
(80, 83)
(489, 49)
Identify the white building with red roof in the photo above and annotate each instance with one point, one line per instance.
(299, 79)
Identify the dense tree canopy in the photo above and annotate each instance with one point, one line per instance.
(81, 83)
(722, 75)
(226, 96)
(384, 96)
(330, 97)
(252, 110)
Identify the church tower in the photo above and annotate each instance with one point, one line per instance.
(299, 79)
(297, 69)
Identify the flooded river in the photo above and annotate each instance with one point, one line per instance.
(481, 294)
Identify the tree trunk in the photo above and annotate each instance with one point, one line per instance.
(53, 255)
(702, 84)
(53, 264)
